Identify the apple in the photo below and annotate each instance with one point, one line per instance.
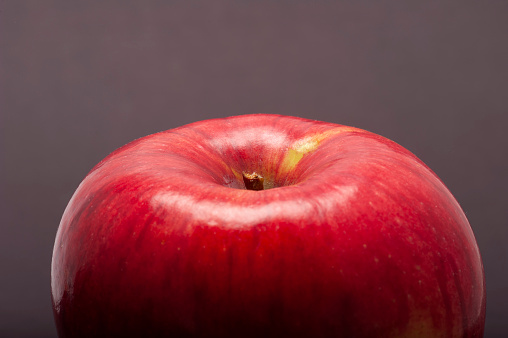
(265, 226)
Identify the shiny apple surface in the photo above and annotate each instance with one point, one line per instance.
(349, 235)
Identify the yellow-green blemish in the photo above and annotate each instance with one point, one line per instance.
(291, 159)
(307, 145)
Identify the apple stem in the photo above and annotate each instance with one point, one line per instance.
(253, 181)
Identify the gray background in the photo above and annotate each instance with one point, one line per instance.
(81, 78)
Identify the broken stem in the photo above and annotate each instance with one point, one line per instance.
(253, 181)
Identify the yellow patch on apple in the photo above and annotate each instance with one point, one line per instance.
(307, 145)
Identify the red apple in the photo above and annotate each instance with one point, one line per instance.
(265, 226)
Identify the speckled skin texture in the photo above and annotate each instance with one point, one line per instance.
(353, 237)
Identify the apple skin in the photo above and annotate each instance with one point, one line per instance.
(353, 236)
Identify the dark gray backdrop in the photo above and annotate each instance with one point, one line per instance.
(81, 78)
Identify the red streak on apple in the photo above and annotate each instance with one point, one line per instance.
(351, 236)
